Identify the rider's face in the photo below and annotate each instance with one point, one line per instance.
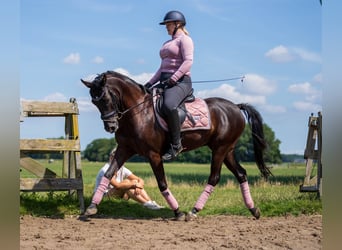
(170, 26)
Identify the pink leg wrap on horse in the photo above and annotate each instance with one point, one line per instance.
(104, 183)
(204, 197)
(170, 199)
(247, 198)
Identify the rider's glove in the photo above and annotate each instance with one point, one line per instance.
(170, 83)
(148, 87)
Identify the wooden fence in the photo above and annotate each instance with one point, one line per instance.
(313, 155)
(48, 180)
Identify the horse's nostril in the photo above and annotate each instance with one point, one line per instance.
(111, 128)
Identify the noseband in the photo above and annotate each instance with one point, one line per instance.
(106, 117)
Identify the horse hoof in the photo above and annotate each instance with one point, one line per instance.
(180, 216)
(190, 216)
(91, 210)
(255, 212)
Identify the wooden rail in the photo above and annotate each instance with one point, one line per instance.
(48, 180)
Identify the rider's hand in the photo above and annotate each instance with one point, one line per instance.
(170, 83)
(148, 87)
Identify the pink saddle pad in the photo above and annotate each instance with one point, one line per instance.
(199, 111)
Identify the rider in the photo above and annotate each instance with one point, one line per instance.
(174, 73)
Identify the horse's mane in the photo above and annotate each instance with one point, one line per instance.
(121, 76)
(125, 79)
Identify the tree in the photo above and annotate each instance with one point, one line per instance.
(244, 149)
(199, 155)
(272, 152)
(99, 149)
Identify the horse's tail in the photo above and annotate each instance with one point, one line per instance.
(259, 143)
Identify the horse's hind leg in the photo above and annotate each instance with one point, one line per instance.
(214, 178)
(241, 175)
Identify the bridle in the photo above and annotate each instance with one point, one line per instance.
(115, 115)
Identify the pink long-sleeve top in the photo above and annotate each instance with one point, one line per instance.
(176, 57)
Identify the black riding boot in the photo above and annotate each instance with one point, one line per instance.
(174, 129)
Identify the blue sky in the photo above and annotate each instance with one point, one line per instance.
(276, 45)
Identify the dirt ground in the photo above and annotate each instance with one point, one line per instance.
(214, 232)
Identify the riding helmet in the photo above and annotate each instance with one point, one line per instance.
(174, 16)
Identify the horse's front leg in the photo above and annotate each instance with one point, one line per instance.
(115, 164)
(158, 170)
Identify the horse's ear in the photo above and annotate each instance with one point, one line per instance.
(100, 80)
(86, 83)
(97, 81)
(103, 79)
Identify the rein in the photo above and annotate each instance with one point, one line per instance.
(222, 80)
(116, 112)
(130, 108)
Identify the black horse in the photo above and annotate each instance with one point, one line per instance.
(126, 108)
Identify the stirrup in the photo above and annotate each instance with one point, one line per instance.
(172, 152)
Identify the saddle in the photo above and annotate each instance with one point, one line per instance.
(193, 112)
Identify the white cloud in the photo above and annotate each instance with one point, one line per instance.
(307, 55)
(282, 54)
(73, 58)
(141, 78)
(279, 54)
(140, 61)
(274, 109)
(307, 106)
(98, 60)
(257, 84)
(301, 88)
(229, 92)
(310, 93)
(55, 97)
(85, 105)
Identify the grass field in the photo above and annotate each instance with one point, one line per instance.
(279, 196)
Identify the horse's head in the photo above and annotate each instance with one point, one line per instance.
(106, 102)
